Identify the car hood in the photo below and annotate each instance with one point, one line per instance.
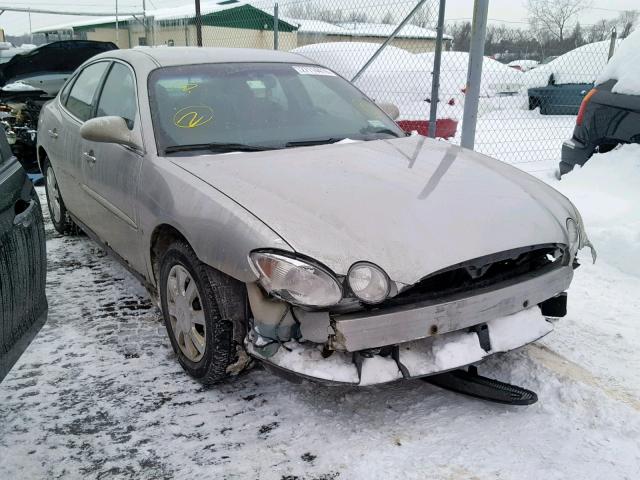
(412, 205)
(56, 57)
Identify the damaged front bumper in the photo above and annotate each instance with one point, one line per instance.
(420, 339)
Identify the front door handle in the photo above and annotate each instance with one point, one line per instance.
(89, 157)
(53, 133)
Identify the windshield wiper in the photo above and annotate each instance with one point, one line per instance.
(309, 143)
(218, 147)
(385, 131)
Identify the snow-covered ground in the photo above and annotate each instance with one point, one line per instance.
(99, 394)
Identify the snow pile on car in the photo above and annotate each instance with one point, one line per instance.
(347, 58)
(496, 77)
(404, 78)
(582, 65)
(606, 193)
(625, 67)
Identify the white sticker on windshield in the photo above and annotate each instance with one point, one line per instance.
(256, 84)
(307, 70)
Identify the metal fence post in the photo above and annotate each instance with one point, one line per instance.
(389, 39)
(198, 24)
(435, 79)
(612, 45)
(474, 73)
(276, 22)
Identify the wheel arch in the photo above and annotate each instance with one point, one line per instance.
(42, 156)
(161, 238)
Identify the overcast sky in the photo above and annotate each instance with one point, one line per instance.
(500, 11)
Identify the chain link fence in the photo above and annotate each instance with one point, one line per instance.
(526, 109)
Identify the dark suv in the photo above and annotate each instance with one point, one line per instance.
(605, 119)
(23, 266)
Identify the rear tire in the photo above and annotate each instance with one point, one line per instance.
(202, 310)
(58, 213)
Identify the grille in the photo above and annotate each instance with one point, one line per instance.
(485, 272)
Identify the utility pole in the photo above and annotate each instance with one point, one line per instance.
(198, 24)
(276, 21)
(144, 20)
(117, 32)
(30, 30)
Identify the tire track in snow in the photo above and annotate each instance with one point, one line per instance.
(565, 367)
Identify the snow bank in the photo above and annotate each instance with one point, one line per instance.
(582, 65)
(625, 67)
(606, 193)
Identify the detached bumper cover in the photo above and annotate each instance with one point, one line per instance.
(431, 337)
(364, 330)
(418, 358)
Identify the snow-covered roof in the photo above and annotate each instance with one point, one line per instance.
(315, 26)
(360, 29)
(385, 29)
(181, 12)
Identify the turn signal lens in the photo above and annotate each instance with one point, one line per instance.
(583, 106)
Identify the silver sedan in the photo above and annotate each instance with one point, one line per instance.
(279, 215)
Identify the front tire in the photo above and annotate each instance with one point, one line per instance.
(201, 308)
(58, 213)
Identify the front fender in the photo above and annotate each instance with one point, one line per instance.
(221, 232)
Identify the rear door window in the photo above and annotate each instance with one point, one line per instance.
(118, 97)
(83, 91)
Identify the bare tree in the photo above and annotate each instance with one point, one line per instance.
(310, 11)
(424, 17)
(388, 18)
(627, 20)
(554, 16)
(600, 30)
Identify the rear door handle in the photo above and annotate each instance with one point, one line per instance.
(89, 157)
(53, 133)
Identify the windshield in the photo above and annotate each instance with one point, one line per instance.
(259, 106)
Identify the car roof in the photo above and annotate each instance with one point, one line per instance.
(173, 56)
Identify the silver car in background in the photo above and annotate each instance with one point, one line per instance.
(276, 213)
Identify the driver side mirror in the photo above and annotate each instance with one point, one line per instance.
(109, 130)
(390, 109)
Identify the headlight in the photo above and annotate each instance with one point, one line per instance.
(296, 281)
(368, 282)
(574, 235)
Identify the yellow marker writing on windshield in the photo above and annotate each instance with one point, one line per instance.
(188, 87)
(193, 117)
